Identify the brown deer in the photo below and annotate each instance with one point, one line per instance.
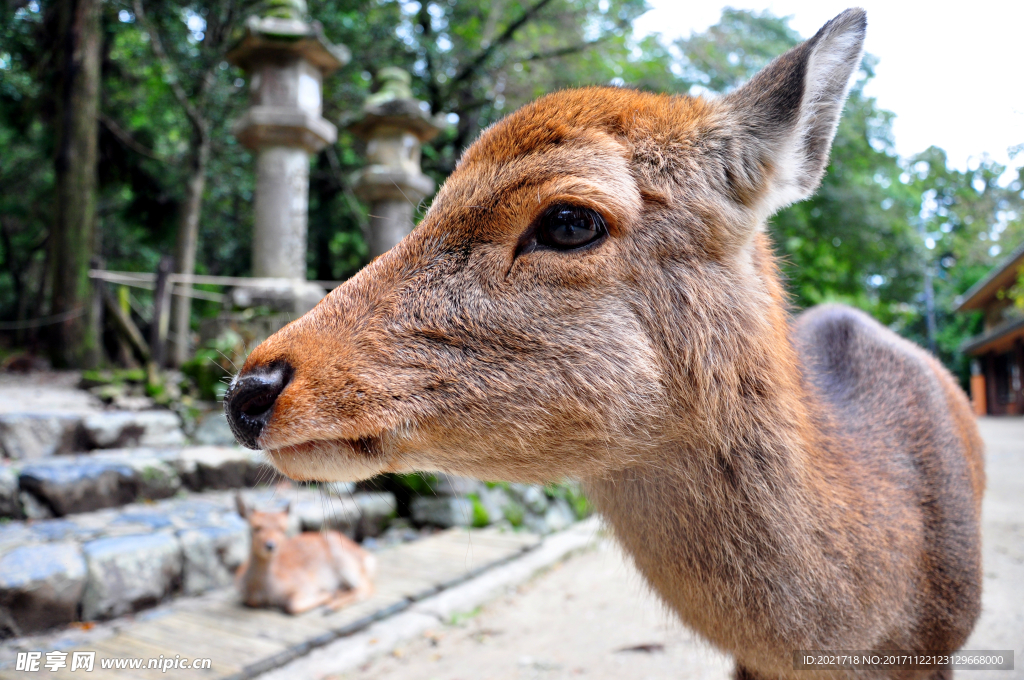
(299, 573)
(592, 295)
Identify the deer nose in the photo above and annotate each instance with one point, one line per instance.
(249, 402)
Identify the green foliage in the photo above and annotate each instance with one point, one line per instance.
(419, 483)
(459, 618)
(481, 518)
(731, 51)
(214, 363)
(159, 391)
(867, 237)
(26, 151)
(97, 378)
(969, 220)
(878, 222)
(573, 495)
(1015, 293)
(515, 514)
(153, 475)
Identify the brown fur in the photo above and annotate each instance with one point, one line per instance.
(302, 572)
(783, 485)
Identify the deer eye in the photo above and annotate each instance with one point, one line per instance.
(565, 227)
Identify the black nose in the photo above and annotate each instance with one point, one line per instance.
(270, 545)
(250, 401)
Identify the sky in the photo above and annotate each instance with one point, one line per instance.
(953, 73)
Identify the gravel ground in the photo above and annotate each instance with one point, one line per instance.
(591, 616)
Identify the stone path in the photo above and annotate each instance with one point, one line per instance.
(590, 617)
(243, 642)
(1001, 625)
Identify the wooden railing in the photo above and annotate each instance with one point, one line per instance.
(164, 284)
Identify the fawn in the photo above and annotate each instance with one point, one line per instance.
(592, 295)
(300, 573)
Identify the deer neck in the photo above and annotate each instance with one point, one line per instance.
(724, 517)
(259, 584)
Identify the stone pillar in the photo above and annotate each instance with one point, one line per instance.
(391, 219)
(394, 125)
(282, 200)
(287, 59)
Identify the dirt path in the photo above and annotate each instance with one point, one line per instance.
(577, 620)
(1002, 619)
(573, 622)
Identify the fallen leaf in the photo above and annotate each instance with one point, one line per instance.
(650, 648)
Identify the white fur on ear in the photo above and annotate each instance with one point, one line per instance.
(830, 65)
(789, 112)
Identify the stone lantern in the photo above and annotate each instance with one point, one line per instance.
(394, 125)
(286, 59)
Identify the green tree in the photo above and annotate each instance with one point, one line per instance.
(1016, 292)
(968, 221)
(27, 148)
(852, 240)
(473, 60)
(727, 54)
(74, 341)
(879, 226)
(189, 66)
(170, 170)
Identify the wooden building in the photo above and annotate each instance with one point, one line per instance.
(997, 366)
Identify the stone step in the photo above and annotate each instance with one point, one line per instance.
(65, 485)
(32, 433)
(103, 564)
(49, 414)
(460, 501)
(46, 393)
(245, 642)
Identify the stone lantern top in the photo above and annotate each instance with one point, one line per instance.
(395, 83)
(394, 106)
(284, 9)
(394, 125)
(279, 28)
(286, 59)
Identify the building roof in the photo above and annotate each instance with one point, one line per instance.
(998, 339)
(1002, 276)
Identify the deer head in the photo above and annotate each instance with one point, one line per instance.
(590, 283)
(268, 530)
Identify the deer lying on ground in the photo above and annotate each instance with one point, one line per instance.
(302, 572)
(592, 295)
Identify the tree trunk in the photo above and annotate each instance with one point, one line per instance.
(185, 251)
(74, 341)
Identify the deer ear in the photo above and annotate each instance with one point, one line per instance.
(243, 509)
(784, 119)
